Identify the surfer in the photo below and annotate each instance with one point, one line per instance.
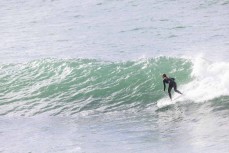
(172, 84)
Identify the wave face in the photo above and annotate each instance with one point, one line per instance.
(69, 87)
(84, 85)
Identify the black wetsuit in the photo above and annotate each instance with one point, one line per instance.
(172, 84)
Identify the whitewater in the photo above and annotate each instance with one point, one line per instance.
(85, 76)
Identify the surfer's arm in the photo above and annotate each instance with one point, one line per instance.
(164, 84)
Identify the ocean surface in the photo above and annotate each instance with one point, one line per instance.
(85, 76)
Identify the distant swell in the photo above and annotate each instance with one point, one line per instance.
(73, 86)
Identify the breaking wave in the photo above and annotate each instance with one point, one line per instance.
(72, 86)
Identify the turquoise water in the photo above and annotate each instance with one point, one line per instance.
(85, 76)
(79, 85)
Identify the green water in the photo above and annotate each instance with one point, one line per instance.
(70, 86)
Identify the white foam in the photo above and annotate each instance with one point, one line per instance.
(211, 80)
(166, 101)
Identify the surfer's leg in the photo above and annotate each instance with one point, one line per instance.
(175, 88)
(169, 91)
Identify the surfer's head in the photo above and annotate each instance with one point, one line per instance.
(164, 76)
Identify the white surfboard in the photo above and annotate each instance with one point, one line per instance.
(167, 101)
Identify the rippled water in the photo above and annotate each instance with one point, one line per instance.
(113, 29)
(186, 128)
